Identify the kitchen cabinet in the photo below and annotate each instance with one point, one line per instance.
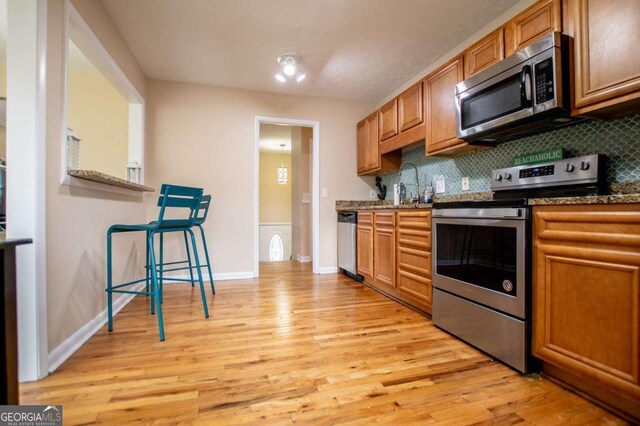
(410, 107)
(384, 248)
(440, 111)
(396, 246)
(542, 18)
(414, 257)
(606, 72)
(388, 119)
(484, 53)
(586, 298)
(364, 241)
(369, 159)
(410, 127)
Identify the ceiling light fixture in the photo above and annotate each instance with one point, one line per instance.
(290, 68)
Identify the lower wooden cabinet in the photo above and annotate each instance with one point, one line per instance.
(384, 249)
(394, 254)
(364, 241)
(414, 257)
(586, 297)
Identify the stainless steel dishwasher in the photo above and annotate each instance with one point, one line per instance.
(347, 245)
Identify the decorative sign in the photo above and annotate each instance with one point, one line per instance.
(539, 157)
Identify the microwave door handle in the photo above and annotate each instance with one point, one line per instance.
(525, 86)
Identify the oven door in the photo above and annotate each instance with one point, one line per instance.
(505, 98)
(482, 260)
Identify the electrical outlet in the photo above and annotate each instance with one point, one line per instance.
(372, 194)
(465, 183)
(440, 186)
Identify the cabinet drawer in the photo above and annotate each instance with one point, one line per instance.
(365, 218)
(415, 261)
(415, 220)
(415, 286)
(385, 218)
(418, 239)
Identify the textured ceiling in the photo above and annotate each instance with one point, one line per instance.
(359, 50)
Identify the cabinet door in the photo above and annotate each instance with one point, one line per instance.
(384, 247)
(534, 23)
(440, 107)
(410, 107)
(484, 53)
(362, 146)
(606, 38)
(388, 120)
(586, 293)
(364, 257)
(373, 153)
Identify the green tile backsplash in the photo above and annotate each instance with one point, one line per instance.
(618, 139)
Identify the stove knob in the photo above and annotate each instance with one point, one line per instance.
(569, 167)
(584, 165)
(498, 177)
(507, 175)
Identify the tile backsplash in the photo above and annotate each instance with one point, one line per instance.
(618, 139)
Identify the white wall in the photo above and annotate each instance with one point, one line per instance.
(77, 218)
(204, 136)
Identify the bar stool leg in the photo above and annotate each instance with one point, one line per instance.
(156, 292)
(109, 283)
(202, 292)
(147, 277)
(152, 270)
(186, 245)
(206, 255)
(161, 280)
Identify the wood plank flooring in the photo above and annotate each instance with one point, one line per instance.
(293, 347)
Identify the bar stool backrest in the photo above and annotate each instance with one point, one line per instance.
(180, 203)
(204, 209)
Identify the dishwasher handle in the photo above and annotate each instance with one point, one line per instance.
(348, 217)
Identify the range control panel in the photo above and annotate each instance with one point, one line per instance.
(570, 171)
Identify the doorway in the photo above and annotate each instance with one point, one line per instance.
(285, 192)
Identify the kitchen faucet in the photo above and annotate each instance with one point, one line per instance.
(416, 184)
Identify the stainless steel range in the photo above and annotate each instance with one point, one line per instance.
(482, 256)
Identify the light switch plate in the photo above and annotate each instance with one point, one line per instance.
(372, 194)
(325, 193)
(465, 183)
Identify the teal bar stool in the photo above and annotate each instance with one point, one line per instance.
(184, 203)
(202, 217)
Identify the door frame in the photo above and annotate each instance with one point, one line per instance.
(315, 187)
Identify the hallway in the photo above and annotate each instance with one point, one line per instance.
(293, 347)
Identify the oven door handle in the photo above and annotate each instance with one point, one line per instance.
(525, 87)
(502, 223)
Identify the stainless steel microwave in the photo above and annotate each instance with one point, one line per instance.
(526, 92)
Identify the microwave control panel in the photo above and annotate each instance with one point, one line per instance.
(544, 81)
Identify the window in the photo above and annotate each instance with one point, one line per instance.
(276, 249)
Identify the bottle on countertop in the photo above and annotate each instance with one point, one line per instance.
(428, 194)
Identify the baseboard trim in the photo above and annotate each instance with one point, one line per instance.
(303, 259)
(72, 343)
(327, 270)
(224, 276)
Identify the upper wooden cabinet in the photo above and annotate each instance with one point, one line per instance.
(369, 159)
(440, 110)
(388, 117)
(484, 53)
(606, 36)
(586, 295)
(534, 23)
(410, 107)
(362, 146)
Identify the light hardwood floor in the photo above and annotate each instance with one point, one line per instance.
(293, 347)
